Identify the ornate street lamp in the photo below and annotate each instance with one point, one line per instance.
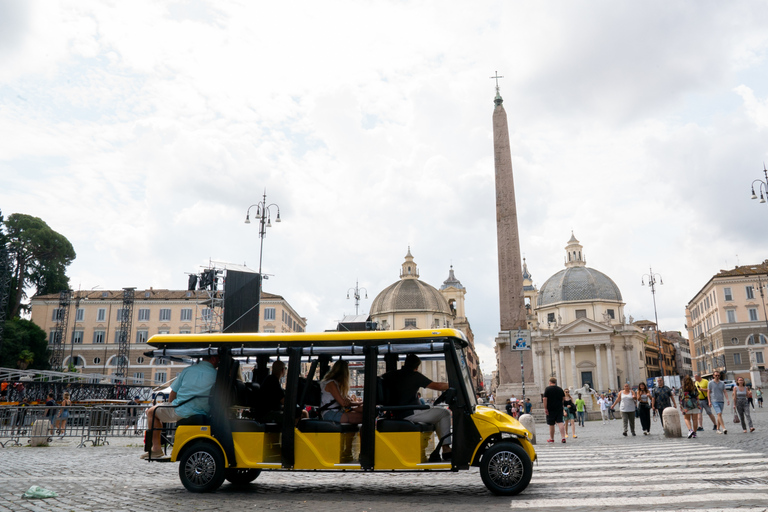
(762, 186)
(652, 283)
(356, 294)
(264, 216)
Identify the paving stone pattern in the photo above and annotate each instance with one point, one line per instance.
(600, 470)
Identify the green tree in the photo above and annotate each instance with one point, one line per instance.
(40, 258)
(24, 340)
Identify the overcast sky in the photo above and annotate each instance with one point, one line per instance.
(142, 131)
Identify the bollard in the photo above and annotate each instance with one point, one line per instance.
(672, 426)
(526, 420)
(41, 430)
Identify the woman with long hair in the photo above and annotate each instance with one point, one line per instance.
(335, 403)
(61, 420)
(569, 413)
(626, 400)
(644, 407)
(689, 404)
(741, 396)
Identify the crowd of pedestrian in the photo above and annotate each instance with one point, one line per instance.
(695, 398)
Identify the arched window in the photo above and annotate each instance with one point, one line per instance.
(751, 339)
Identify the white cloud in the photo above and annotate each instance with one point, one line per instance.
(143, 131)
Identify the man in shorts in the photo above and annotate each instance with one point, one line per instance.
(717, 395)
(553, 408)
(702, 385)
(189, 396)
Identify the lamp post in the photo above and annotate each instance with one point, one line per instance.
(652, 283)
(264, 216)
(356, 294)
(762, 186)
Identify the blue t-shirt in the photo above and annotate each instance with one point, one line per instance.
(195, 381)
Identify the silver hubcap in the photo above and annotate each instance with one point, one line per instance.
(505, 469)
(200, 468)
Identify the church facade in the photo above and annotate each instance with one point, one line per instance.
(579, 332)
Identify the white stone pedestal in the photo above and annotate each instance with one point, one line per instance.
(526, 420)
(41, 430)
(672, 426)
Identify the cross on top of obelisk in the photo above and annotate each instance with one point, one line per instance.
(498, 99)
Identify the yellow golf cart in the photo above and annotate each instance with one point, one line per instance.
(226, 444)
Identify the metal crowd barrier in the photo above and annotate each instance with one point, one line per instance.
(89, 424)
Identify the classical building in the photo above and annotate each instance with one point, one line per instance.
(91, 340)
(579, 333)
(653, 363)
(410, 303)
(727, 323)
(682, 352)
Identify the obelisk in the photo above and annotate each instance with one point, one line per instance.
(511, 301)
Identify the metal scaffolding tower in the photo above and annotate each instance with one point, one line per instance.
(124, 335)
(62, 319)
(209, 314)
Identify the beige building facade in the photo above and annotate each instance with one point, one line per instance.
(91, 340)
(727, 324)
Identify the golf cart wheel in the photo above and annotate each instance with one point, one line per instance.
(201, 467)
(506, 469)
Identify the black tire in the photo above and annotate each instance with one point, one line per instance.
(201, 467)
(241, 476)
(506, 469)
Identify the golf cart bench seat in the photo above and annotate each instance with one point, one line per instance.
(403, 426)
(237, 425)
(323, 426)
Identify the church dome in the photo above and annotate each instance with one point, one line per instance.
(577, 282)
(409, 294)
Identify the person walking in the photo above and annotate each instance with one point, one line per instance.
(741, 395)
(603, 403)
(529, 406)
(626, 399)
(553, 408)
(759, 395)
(609, 404)
(702, 386)
(717, 397)
(581, 409)
(661, 398)
(61, 419)
(644, 407)
(569, 413)
(689, 405)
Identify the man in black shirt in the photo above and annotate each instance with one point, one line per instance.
(402, 386)
(272, 396)
(553, 407)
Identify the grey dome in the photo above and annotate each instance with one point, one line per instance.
(578, 284)
(409, 295)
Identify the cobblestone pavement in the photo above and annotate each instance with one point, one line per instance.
(600, 470)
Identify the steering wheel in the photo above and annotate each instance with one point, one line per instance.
(446, 396)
